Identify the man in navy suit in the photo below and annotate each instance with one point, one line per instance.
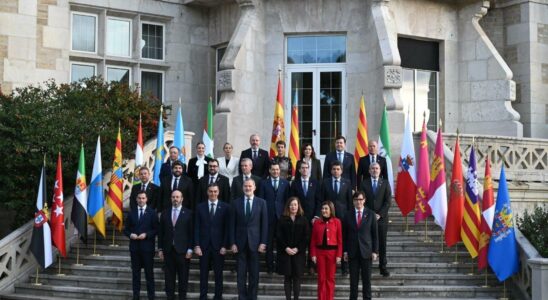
(141, 228)
(346, 159)
(365, 162)
(361, 245)
(152, 190)
(177, 181)
(275, 191)
(339, 191)
(249, 234)
(213, 176)
(165, 170)
(260, 157)
(236, 190)
(211, 235)
(378, 194)
(175, 243)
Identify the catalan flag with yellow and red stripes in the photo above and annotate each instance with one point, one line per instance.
(115, 186)
(278, 125)
(470, 230)
(294, 139)
(361, 138)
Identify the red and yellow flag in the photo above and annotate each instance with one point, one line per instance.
(115, 186)
(294, 139)
(470, 231)
(456, 200)
(278, 125)
(488, 213)
(361, 138)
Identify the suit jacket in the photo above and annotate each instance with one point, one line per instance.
(349, 169)
(363, 239)
(224, 188)
(185, 186)
(212, 232)
(230, 170)
(260, 165)
(253, 232)
(180, 236)
(275, 199)
(342, 200)
(333, 233)
(237, 190)
(193, 168)
(165, 170)
(363, 167)
(153, 195)
(379, 202)
(313, 198)
(147, 224)
(316, 171)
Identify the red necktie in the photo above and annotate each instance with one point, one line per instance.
(359, 218)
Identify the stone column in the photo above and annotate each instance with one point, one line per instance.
(539, 275)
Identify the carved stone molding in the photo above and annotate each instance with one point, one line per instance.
(392, 77)
(224, 81)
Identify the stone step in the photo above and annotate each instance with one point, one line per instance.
(40, 297)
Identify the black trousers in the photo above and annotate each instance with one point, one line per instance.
(176, 265)
(140, 260)
(270, 258)
(292, 285)
(382, 229)
(211, 256)
(359, 265)
(248, 273)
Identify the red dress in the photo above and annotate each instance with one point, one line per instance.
(326, 245)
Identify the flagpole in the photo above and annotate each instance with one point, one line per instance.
(456, 262)
(485, 273)
(78, 254)
(442, 240)
(426, 239)
(113, 237)
(95, 244)
(36, 282)
(504, 293)
(59, 270)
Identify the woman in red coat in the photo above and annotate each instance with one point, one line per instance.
(326, 249)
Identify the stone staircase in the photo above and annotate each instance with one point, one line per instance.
(418, 270)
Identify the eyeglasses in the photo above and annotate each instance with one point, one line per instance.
(359, 199)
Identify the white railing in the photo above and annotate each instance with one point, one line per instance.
(16, 260)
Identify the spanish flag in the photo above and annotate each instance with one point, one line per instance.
(278, 125)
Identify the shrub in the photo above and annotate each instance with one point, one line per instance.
(40, 121)
(535, 228)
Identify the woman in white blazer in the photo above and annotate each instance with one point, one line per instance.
(228, 165)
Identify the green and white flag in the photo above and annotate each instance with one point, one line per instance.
(384, 148)
(208, 131)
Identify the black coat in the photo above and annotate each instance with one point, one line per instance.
(363, 168)
(342, 201)
(260, 165)
(348, 167)
(185, 186)
(193, 168)
(147, 224)
(316, 170)
(180, 236)
(313, 199)
(362, 240)
(153, 195)
(380, 201)
(224, 189)
(237, 190)
(292, 234)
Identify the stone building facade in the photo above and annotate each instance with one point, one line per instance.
(480, 66)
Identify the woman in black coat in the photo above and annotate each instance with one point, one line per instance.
(309, 155)
(292, 236)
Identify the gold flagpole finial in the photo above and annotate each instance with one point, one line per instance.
(441, 124)
(179, 101)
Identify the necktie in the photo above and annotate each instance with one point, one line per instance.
(175, 184)
(246, 177)
(212, 210)
(374, 186)
(254, 154)
(337, 186)
(248, 208)
(140, 213)
(211, 179)
(340, 157)
(174, 217)
(359, 218)
(275, 184)
(143, 187)
(305, 187)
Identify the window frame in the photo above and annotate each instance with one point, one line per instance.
(96, 16)
(107, 34)
(82, 64)
(437, 110)
(117, 67)
(163, 40)
(163, 73)
(334, 34)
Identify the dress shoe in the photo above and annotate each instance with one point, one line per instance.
(385, 273)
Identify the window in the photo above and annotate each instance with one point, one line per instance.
(120, 74)
(152, 82)
(316, 49)
(80, 71)
(84, 32)
(220, 54)
(118, 37)
(153, 37)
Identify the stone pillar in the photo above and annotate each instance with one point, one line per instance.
(539, 275)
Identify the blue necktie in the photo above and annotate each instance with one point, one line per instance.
(374, 186)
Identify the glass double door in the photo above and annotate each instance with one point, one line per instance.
(321, 97)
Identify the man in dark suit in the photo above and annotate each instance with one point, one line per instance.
(249, 234)
(175, 243)
(275, 191)
(197, 166)
(236, 190)
(141, 228)
(260, 157)
(211, 235)
(213, 176)
(361, 245)
(152, 190)
(346, 159)
(365, 162)
(339, 191)
(165, 170)
(177, 181)
(308, 191)
(378, 195)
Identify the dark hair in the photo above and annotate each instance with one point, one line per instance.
(142, 192)
(359, 193)
(340, 137)
(213, 184)
(335, 163)
(300, 211)
(174, 147)
(143, 168)
(331, 207)
(313, 155)
(274, 163)
(177, 163)
(213, 160)
(280, 143)
(200, 143)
